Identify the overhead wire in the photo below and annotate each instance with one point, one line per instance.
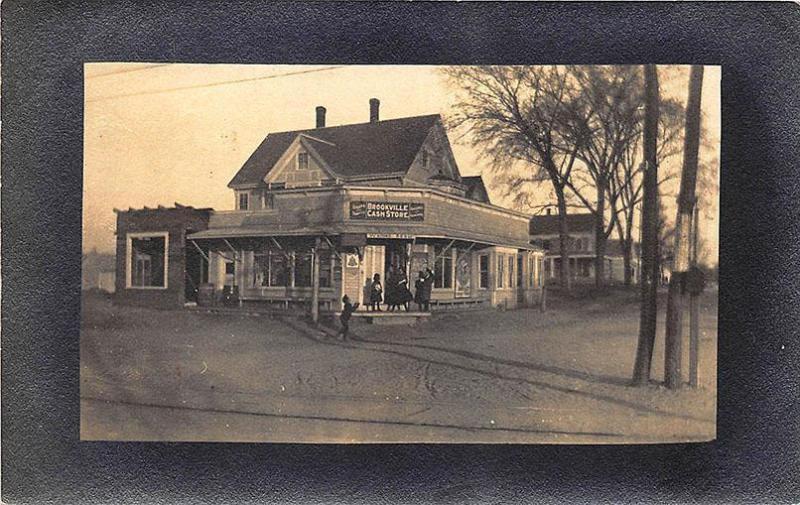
(128, 70)
(213, 84)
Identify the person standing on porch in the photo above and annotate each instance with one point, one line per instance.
(376, 293)
(404, 295)
(419, 290)
(392, 289)
(427, 287)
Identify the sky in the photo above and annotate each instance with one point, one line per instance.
(156, 134)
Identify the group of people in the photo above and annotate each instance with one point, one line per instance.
(398, 294)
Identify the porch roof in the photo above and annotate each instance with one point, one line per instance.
(414, 230)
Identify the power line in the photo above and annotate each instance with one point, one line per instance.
(127, 70)
(212, 84)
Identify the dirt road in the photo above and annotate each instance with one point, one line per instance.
(479, 377)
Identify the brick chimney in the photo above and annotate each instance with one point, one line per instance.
(374, 106)
(320, 116)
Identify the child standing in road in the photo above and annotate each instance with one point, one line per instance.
(344, 318)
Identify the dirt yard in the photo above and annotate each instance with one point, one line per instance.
(518, 376)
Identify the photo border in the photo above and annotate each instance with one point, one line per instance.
(44, 47)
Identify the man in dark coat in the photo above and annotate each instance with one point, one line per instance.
(427, 287)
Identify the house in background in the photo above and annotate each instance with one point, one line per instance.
(97, 271)
(581, 249)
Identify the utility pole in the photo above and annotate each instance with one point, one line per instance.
(683, 224)
(649, 232)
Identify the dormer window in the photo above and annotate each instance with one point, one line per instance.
(302, 161)
(244, 201)
(425, 159)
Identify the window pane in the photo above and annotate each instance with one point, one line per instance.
(325, 277)
(147, 261)
(443, 268)
(501, 276)
(484, 271)
(243, 201)
(438, 270)
(541, 275)
(260, 270)
(302, 270)
(278, 269)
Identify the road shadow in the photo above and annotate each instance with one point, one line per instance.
(574, 374)
(310, 333)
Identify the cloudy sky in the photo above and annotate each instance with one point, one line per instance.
(155, 134)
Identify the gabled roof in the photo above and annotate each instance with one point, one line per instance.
(545, 225)
(364, 149)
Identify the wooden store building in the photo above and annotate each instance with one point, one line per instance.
(318, 212)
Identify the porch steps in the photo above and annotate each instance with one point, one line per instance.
(393, 318)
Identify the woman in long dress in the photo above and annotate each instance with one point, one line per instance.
(404, 295)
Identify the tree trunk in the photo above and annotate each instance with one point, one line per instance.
(600, 236)
(686, 203)
(627, 260)
(627, 249)
(563, 239)
(649, 268)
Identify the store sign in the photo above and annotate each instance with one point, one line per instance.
(351, 260)
(387, 211)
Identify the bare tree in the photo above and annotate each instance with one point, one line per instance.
(513, 116)
(629, 177)
(605, 121)
(648, 318)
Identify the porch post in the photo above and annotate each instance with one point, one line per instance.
(315, 282)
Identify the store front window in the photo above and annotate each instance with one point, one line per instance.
(483, 265)
(325, 268)
(443, 267)
(270, 269)
(302, 269)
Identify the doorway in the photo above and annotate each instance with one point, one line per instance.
(196, 273)
(397, 256)
(374, 262)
